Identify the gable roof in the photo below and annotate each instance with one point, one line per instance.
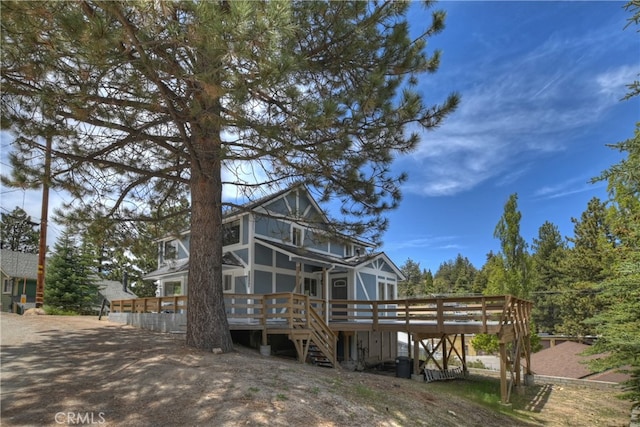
(304, 255)
(19, 264)
(228, 260)
(112, 290)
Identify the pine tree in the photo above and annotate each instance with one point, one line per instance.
(18, 232)
(587, 264)
(455, 276)
(549, 251)
(410, 287)
(70, 279)
(166, 100)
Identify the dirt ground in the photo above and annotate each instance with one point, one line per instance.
(78, 370)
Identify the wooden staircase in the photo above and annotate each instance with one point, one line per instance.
(314, 340)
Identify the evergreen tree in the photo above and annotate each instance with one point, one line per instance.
(70, 279)
(587, 264)
(18, 233)
(427, 278)
(162, 100)
(515, 258)
(549, 251)
(410, 287)
(455, 276)
(618, 324)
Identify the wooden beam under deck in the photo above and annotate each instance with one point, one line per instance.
(304, 319)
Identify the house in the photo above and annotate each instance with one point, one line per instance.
(281, 243)
(18, 275)
(567, 360)
(112, 290)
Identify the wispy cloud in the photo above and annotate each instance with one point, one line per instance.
(515, 110)
(423, 242)
(566, 188)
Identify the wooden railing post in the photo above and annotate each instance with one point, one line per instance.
(375, 315)
(406, 313)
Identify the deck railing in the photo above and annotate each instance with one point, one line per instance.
(291, 309)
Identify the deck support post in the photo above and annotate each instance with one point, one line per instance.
(416, 355)
(504, 395)
(464, 356)
(445, 356)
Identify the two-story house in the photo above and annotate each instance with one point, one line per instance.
(281, 243)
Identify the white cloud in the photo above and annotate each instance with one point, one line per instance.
(423, 242)
(566, 188)
(515, 111)
(613, 82)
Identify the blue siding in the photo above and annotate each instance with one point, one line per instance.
(263, 255)
(278, 206)
(369, 281)
(304, 203)
(271, 227)
(337, 249)
(240, 285)
(285, 283)
(282, 261)
(243, 254)
(314, 241)
(262, 282)
(181, 252)
(244, 229)
(387, 268)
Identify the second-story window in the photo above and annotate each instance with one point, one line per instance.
(296, 236)
(231, 233)
(170, 250)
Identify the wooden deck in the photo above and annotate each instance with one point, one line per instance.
(309, 321)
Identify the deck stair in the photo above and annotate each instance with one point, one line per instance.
(316, 357)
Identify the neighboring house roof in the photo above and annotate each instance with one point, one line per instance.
(112, 290)
(181, 265)
(566, 360)
(19, 264)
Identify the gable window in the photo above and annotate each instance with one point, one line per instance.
(170, 250)
(348, 251)
(231, 233)
(227, 283)
(310, 287)
(296, 236)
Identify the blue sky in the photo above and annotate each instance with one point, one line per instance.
(540, 85)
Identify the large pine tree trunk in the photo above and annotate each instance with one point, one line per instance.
(207, 326)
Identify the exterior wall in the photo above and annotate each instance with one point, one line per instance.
(162, 322)
(17, 287)
(376, 347)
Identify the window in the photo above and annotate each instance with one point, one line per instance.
(310, 287)
(227, 283)
(172, 288)
(231, 233)
(296, 236)
(347, 251)
(380, 290)
(390, 291)
(6, 286)
(170, 250)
